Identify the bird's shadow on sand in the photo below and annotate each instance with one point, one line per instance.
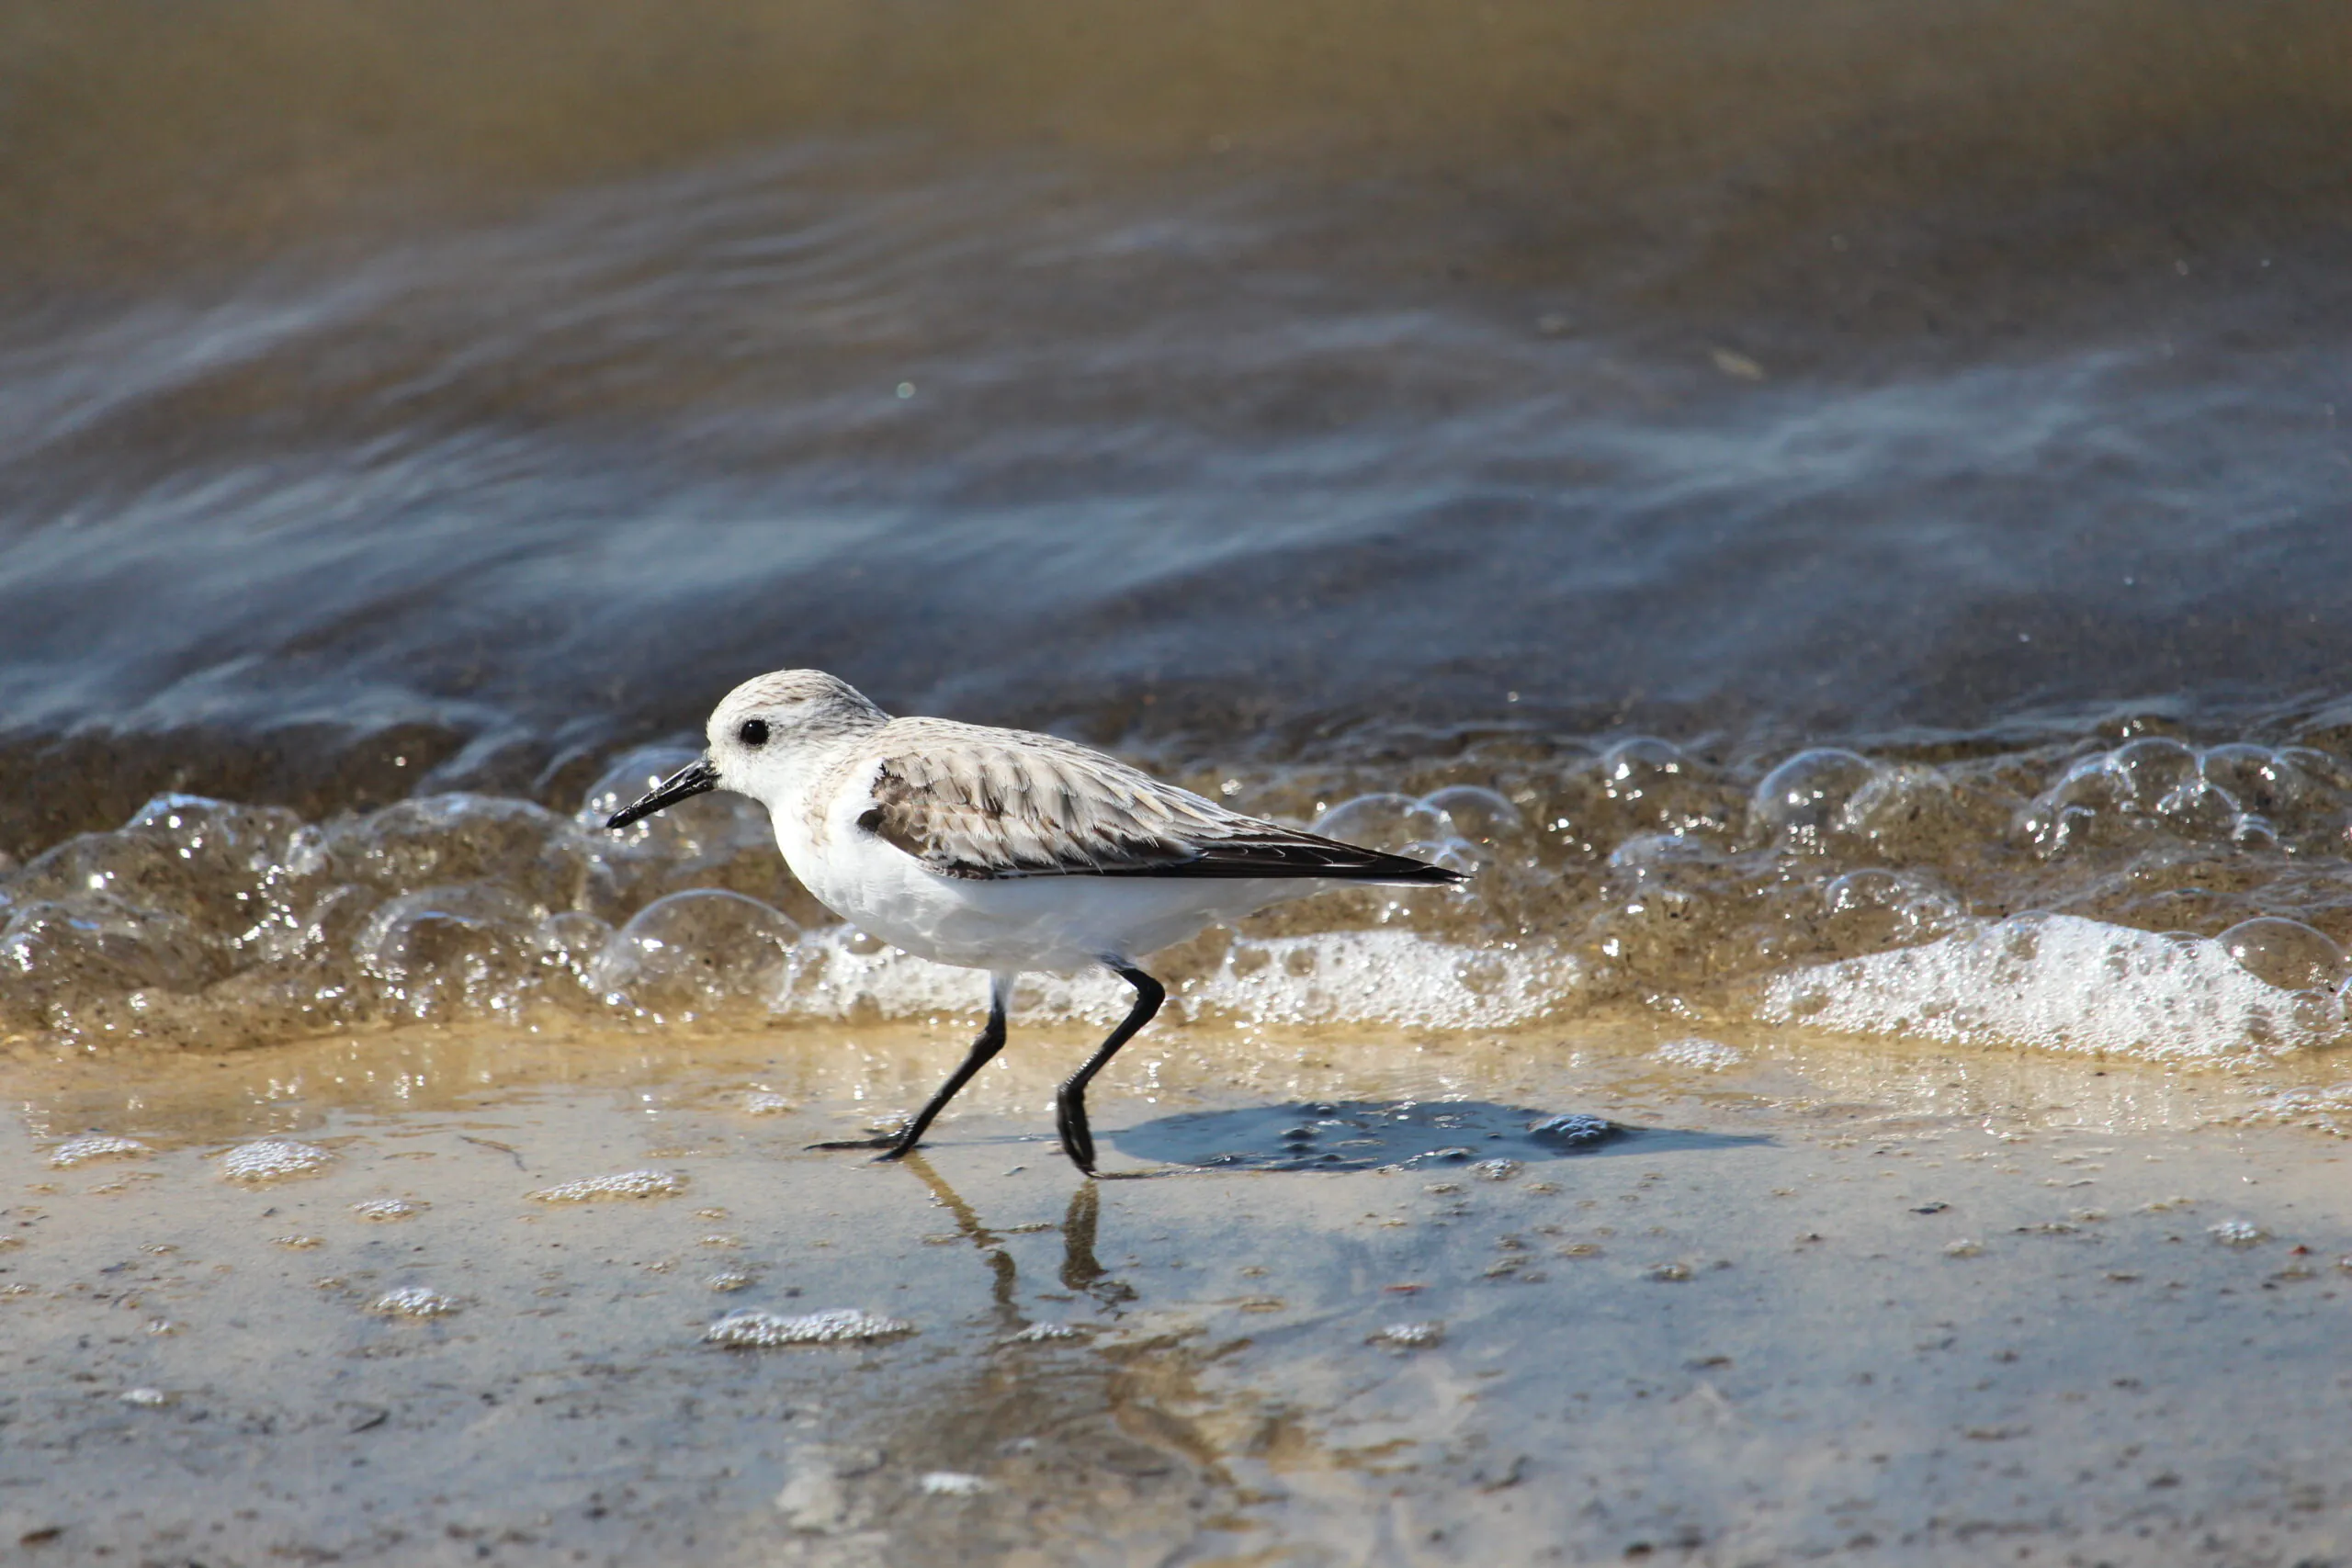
(1417, 1135)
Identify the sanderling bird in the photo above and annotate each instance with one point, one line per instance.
(1000, 850)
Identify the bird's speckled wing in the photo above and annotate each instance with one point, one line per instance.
(972, 801)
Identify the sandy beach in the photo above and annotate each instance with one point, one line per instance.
(1822, 1300)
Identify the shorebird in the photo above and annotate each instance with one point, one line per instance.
(1000, 850)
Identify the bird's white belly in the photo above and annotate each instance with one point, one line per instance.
(1056, 924)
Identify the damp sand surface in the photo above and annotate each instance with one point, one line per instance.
(1877, 1302)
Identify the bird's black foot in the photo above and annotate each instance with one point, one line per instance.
(1077, 1139)
(893, 1145)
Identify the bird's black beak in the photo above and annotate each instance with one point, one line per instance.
(696, 777)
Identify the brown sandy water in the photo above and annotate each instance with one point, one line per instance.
(1829, 1298)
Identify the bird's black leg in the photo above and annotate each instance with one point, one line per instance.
(1070, 1101)
(894, 1146)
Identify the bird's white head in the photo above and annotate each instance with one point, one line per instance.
(762, 736)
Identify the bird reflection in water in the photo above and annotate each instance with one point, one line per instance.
(1081, 1272)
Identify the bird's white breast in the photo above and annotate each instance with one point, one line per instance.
(1056, 924)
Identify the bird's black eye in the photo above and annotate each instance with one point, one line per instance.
(754, 733)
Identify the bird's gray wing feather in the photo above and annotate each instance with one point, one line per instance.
(987, 804)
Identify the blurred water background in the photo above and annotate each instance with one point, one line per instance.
(1831, 482)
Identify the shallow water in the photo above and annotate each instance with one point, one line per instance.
(2074, 1309)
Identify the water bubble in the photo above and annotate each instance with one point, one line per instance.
(96, 943)
(728, 1280)
(452, 951)
(1389, 822)
(626, 1184)
(1496, 1170)
(2286, 954)
(273, 1159)
(223, 869)
(626, 779)
(1674, 1273)
(1876, 909)
(715, 840)
(952, 1483)
(1803, 798)
(2237, 1232)
(1630, 766)
(568, 942)
(2152, 769)
(837, 1326)
(2255, 777)
(526, 850)
(149, 1397)
(1477, 812)
(1647, 854)
(697, 952)
(1918, 813)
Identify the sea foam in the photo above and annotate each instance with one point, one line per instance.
(2060, 982)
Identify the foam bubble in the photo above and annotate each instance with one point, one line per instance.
(1383, 976)
(625, 1184)
(93, 1147)
(1575, 1127)
(1700, 1056)
(1040, 1333)
(836, 1325)
(414, 1301)
(1410, 1336)
(2060, 982)
(273, 1159)
(383, 1210)
(952, 1483)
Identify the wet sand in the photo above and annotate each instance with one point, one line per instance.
(1894, 1305)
